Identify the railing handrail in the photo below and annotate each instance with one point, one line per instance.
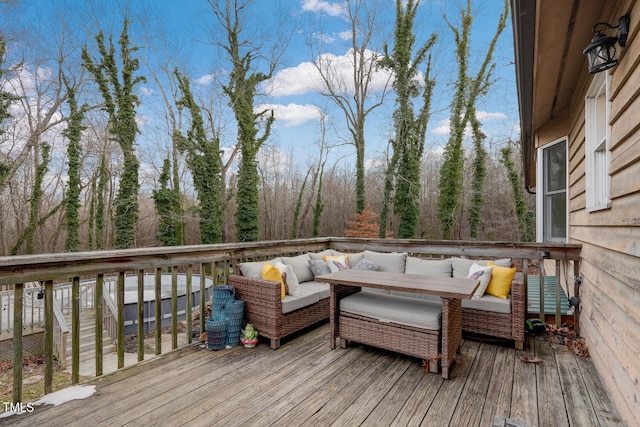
(22, 268)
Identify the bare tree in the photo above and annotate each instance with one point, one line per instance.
(357, 97)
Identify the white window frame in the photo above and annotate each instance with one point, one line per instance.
(597, 112)
(543, 213)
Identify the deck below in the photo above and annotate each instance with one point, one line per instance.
(307, 383)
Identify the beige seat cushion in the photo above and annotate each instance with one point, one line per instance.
(307, 297)
(489, 303)
(395, 309)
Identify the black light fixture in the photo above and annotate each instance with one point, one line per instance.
(601, 52)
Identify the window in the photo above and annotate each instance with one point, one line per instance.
(597, 135)
(552, 200)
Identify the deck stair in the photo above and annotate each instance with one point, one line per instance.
(87, 338)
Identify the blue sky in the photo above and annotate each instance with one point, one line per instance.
(188, 26)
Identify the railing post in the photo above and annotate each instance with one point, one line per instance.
(48, 336)
(558, 287)
(75, 330)
(98, 302)
(576, 293)
(17, 342)
(189, 303)
(120, 300)
(543, 316)
(158, 288)
(174, 307)
(203, 287)
(140, 315)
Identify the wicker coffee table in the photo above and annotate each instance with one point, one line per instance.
(451, 290)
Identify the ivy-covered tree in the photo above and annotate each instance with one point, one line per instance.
(167, 202)
(203, 159)
(409, 128)
(6, 99)
(463, 112)
(28, 235)
(526, 218)
(298, 208)
(318, 207)
(74, 151)
(241, 91)
(117, 89)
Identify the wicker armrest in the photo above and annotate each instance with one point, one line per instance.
(257, 291)
(518, 306)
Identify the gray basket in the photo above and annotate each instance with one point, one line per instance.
(216, 333)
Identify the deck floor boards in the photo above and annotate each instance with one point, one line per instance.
(306, 383)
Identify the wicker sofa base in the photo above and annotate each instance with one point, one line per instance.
(501, 325)
(412, 341)
(263, 309)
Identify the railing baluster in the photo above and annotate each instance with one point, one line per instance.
(98, 302)
(174, 307)
(140, 315)
(120, 301)
(158, 289)
(17, 342)
(189, 303)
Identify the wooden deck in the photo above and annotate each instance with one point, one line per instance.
(307, 383)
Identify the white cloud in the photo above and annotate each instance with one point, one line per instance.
(204, 80)
(321, 6)
(324, 38)
(145, 91)
(292, 114)
(345, 35)
(142, 120)
(443, 127)
(296, 80)
(484, 116)
(305, 78)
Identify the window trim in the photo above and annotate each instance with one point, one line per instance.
(541, 192)
(596, 200)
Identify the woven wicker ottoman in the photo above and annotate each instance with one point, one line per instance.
(405, 325)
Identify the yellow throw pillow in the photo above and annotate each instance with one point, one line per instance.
(272, 274)
(501, 278)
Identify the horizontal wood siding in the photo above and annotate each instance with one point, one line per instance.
(610, 294)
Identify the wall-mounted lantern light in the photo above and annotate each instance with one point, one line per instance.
(601, 52)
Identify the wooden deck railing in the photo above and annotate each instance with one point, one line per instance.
(207, 260)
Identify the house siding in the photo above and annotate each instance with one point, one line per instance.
(610, 238)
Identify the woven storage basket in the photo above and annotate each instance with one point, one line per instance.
(222, 295)
(216, 334)
(234, 312)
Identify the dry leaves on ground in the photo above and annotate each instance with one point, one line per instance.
(565, 335)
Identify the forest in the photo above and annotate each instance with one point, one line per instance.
(110, 138)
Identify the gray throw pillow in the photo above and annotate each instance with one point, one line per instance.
(365, 264)
(319, 267)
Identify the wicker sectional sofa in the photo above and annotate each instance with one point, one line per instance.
(276, 318)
